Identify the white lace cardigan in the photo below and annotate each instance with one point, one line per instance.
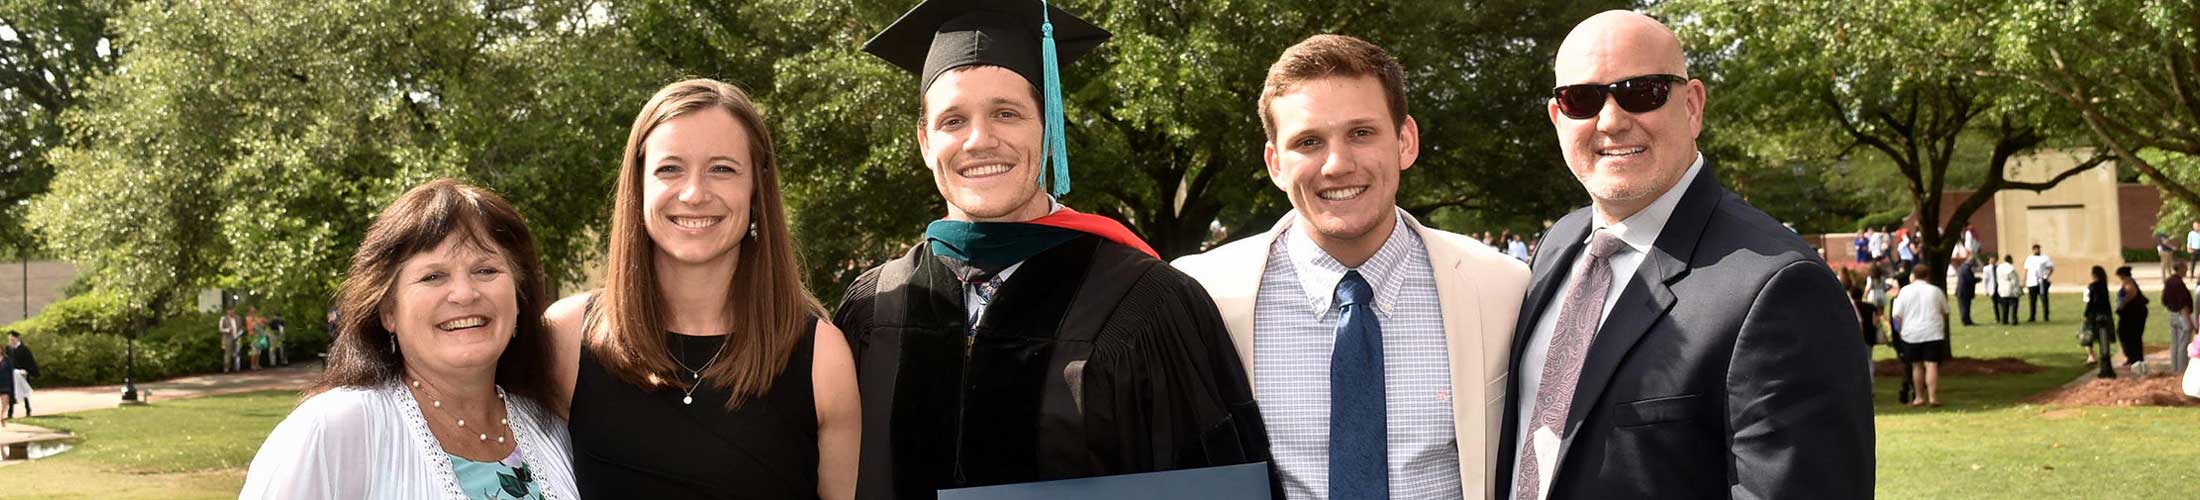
(372, 443)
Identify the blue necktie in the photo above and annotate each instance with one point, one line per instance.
(1358, 439)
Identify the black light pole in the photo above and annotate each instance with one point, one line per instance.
(129, 365)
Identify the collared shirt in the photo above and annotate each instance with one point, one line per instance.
(1294, 325)
(1640, 233)
(2192, 240)
(973, 303)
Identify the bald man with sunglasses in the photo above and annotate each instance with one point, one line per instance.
(1675, 342)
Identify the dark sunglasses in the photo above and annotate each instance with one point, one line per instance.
(1640, 94)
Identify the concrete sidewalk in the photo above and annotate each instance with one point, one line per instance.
(56, 401)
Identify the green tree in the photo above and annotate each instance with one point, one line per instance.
(2131, 70)
(1164, 132)
(247, 145)
(48, 49)
(1827, 79)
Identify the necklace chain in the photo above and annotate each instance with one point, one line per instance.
(436, 401)
(687, 397)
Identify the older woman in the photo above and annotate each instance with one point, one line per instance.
(431, 387)
(701, 369)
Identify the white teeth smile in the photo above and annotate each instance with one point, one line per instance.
(1621, 151)
(985, 171)
(696, 222)
(1342, 193)
(462, 323)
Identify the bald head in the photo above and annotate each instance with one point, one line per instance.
(1623, 41)
(1626, 157)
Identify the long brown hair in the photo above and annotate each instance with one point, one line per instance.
(771, 308)
(363, 355)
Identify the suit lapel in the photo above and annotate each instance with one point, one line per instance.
(1554, 259)
(1648, 296)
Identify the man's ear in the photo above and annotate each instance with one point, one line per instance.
(1409, 143)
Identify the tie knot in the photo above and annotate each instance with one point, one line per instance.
(1603, 244)
(1353, 290)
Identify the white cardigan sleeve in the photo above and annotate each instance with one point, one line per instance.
(323, 450)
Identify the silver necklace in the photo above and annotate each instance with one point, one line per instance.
(437, 403)
(688, 397)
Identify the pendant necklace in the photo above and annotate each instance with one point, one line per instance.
(688, 396)
(436, 401)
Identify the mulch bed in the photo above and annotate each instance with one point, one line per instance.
(2125, 390)
(1962, 366)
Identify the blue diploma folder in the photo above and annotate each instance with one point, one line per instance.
(1229, 482)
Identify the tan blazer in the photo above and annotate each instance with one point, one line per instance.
(1479, 289)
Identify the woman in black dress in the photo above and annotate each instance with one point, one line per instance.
(2131, 317)
(2100, 325)
(701, 369)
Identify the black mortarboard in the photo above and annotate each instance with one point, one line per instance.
(940, 35)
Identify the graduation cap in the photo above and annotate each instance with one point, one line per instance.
(1028, 37)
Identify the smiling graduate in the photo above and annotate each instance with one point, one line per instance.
(1025, 341)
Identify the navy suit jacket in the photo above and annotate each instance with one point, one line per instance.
(1728, 368)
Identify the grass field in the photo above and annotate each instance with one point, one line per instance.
(184, 449)
(1985, 443)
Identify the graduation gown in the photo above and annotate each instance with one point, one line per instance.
(1093, 359)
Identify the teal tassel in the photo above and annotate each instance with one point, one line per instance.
(1057, 145)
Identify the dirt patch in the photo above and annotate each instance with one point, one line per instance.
(2126, 390)
(1962, 366)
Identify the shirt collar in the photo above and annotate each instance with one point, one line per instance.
(1640, 231)
(1319, 273)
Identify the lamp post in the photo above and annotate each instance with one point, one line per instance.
(129, 365)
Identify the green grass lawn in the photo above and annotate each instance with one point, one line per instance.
(1986, 443)
(182, 449)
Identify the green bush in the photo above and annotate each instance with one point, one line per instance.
(2137, 255)
(65, 360)
(91, 313)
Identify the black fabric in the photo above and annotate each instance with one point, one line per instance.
(632, 443)
(1727, 368)
(1093, 359)
(1865, 312)
(2097, 300)
(1935, 351)
(21, 356)
(940, 35)
(2131, 327)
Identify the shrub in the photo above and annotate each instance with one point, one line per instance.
(91, 313)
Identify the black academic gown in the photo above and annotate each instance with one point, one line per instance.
(1094, 359)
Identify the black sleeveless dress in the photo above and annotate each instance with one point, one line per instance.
(632, 443)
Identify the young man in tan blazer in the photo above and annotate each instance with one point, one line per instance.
(1376, 345)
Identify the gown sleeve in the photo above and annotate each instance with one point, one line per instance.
(1164, 387)
(321, 451)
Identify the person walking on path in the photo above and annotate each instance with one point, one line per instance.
(26, 368)
(2037, 269)
(2192, 246)
(2178, 300)
(2131, 317)
(230, 328)
(1921, 317)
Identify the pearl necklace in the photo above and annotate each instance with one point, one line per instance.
(688, 396)
(437, 403)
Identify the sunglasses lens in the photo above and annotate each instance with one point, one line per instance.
(1580, 101)
(1642, 95)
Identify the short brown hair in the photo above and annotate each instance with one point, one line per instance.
(1324, 56)
(625, 323)
(418, 222)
